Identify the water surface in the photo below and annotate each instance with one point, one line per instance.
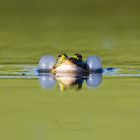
(30, 29)
(32, 112)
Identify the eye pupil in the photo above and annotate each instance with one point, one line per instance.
(59, 55)
(79, 56)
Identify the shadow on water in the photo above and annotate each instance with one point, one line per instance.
(67, 81)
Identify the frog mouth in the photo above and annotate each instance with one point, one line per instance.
(69, 68)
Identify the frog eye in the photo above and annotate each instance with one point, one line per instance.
(59, 55)
(62, 55)
(79, 56)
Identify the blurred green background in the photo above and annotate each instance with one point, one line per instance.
(32, 28)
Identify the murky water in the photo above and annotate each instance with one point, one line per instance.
(103, 106)
(32, 108)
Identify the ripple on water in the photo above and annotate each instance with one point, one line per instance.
(26, 71)
(64, 81)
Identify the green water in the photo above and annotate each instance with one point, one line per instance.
(109, 29)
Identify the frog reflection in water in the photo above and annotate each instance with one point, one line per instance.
(69, 82)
